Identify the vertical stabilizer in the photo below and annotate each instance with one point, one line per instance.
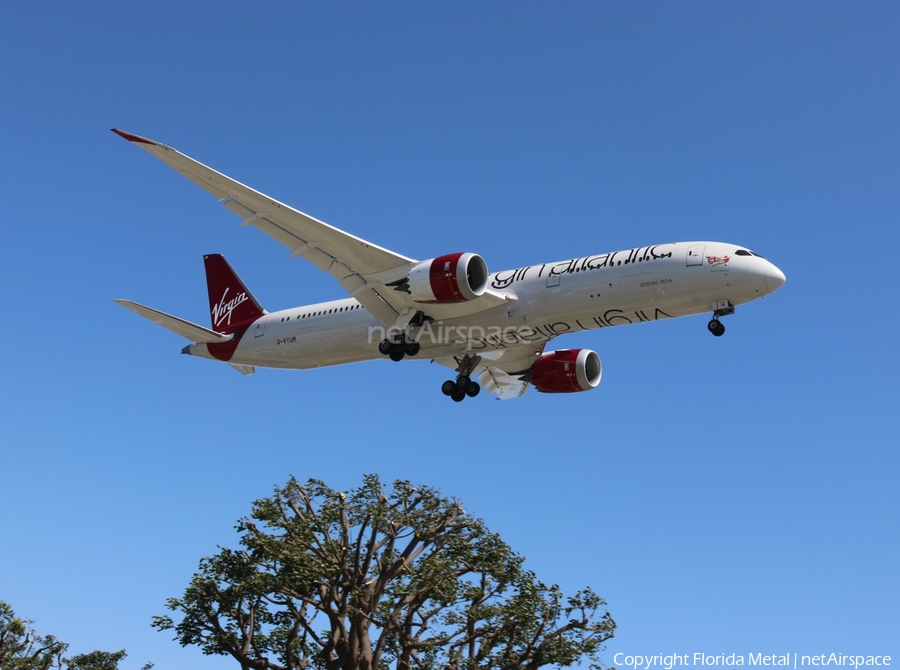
(230, 302)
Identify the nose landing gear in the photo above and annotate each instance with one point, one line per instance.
(715, 327)
(720, 308)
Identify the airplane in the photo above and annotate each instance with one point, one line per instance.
(490, 328)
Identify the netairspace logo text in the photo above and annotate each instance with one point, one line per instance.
(789, 660)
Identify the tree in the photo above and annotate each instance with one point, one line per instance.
(23, 649)
(367, 580)
(98, 660)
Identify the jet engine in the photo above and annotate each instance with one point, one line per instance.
(446, 279)
(566, 371)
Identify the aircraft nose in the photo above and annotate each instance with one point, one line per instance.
(774, 278)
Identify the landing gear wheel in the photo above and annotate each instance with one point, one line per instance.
(384, 347)
(397, 355)
(473, 389)
(716, 328)
(448, 387)
(412, 348)
(462, 381)
(459, 396)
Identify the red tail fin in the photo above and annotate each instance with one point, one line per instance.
(230, 302)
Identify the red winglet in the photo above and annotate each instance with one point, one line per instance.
(132, 138)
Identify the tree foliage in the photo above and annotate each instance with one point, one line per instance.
(370, 580)
(21, 648)
(97, 660)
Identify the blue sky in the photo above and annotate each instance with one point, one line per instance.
(734, 494)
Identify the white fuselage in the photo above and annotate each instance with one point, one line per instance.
(546, 300)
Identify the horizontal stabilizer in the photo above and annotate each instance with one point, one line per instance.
(191, 331)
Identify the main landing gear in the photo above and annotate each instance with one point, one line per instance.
(464, 384)
(459, 389)
(397, 349)
(720, 308)
(399, 344)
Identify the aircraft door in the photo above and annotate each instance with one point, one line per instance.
(695, 254)
(260, 329)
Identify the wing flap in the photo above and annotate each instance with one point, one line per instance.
(502, 384)
(368, 293)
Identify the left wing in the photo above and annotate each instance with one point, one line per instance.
(361, 267)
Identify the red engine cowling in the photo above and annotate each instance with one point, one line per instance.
(451, 278)
(566, 371)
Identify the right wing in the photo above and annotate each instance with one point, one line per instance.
(363, 269)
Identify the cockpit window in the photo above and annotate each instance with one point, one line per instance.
(744, 252)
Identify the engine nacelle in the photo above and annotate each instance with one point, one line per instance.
(567, 371)
(451, 278)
